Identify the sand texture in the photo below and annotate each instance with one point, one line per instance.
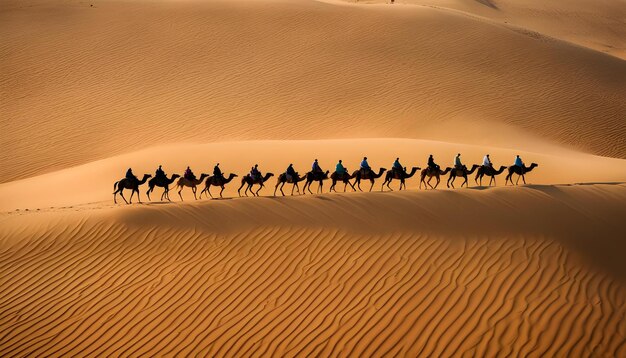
(91, 88)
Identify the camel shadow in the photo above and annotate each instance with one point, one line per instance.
(480, 187)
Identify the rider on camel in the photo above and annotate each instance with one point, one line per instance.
(254, 172)
(431, 163)
(130, 175)
(159, 173)
(397, 167)
(189, 175)
(291, 172)
(316, 167)
(457, 162)
(518, 162)
(217, 172)
(365, 167)
(487, 162)
(340, 169)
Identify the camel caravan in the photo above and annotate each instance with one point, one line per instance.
(341, 174)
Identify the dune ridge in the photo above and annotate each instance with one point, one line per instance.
(109, 79)
(480, 272)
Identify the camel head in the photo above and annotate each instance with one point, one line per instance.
(174, 176)
(232, 175)
(267, 176)
(147, 176)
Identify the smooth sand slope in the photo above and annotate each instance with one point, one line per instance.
(598, 25)
(531, 271)
(82, 83)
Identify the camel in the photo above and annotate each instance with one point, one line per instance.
(454, 172)
(428, 172)
(488, 171)
(317, 176)
(251, 181)
(514, 169)
(282, 179)
(183, 182)
(370, 175)
(402, 176)
(212, 180)
(163, 183)
(345, 178)
(133, 185)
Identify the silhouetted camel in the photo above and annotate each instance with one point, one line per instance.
(488, 171)
(212, 180)
(370, 175)
(344, 177)
(317, 176)
(454, 172)
(248, 180)
(282, 179)
(402, 176)
(162, 182)
(432, 173)
(133, 185)
(521, 171)
(183, 182)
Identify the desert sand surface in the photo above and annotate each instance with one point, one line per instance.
(90, 88)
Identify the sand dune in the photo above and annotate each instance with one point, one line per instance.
(122, 76)
(438, 273)
(93, 182)
(594, 24)
(89, 89)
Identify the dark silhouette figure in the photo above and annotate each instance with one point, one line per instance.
(131, 184)
(399, 175)
(216, 181)
(250, 181)
(163, 182)
(521, 171)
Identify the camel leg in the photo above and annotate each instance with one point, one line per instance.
(451, 178)
(389, 182)
(428, 182)
(138, 198)
(320, 188)
(523, 179)
(132, 192)
(208, 190)
(371, 186)
(179, 194)
(358, 185)
(122, 195)
(193, 190)
(148, 192)
(465, 181)
(257, 192)
(281, 189)
(309, 186)
(221, 191)
(121, 191)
